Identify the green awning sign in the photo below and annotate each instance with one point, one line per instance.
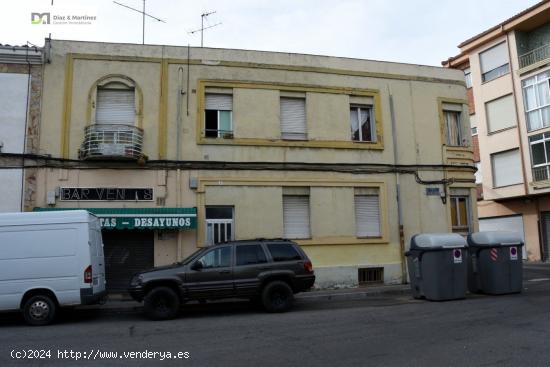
(141, 218)
(144, 222)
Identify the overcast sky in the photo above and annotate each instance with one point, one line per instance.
(419, 31)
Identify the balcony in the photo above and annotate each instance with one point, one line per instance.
(532, 57)
(541, 173)
(112, 141)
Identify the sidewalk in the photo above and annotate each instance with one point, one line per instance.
(122, 303)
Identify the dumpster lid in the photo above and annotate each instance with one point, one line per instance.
(438, 240)
(495, 238)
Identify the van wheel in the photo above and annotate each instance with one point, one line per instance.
(161, 303)
(277, 296)
(39, 310)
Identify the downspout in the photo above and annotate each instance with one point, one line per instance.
(398, 193)
(178, 155)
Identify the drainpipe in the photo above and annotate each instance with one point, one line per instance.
(398, 193)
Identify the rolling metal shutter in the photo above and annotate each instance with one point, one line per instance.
(293, 118)
(506, 168)
(296, 216)
(493, 57)
(126, 253)
(220, 102)
(367, 215)
(115, 106)
(545, 216)
(512, 223)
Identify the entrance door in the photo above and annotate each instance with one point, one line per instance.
(126, 253)
(512, 223)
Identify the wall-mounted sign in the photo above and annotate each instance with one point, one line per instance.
(105, 194)
(432, 191)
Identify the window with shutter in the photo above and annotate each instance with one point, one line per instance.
(296, 216)
(494, 62)
(115, 106)
(218, 116)
(367, 213)
(293, 118)
(500, 113)
(506, 168)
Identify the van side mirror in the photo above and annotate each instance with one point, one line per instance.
(197, 266)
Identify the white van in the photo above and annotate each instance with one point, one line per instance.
(49, 260)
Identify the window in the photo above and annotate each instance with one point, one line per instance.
(506, 168)
(115, 105)
(296, 212)
(468, 77)
(460, 211)
(453, 124)
(218, 116)
(536, 99)
(367, 212)
(473, 124)
(250, 254)
(283, 252)
(500, 113)
(293, 118)
(478, 175)
(494, 62)
(219, 224)
(217, 258)
(540, 156)
(362, 123)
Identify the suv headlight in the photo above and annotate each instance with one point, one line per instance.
(136, 280)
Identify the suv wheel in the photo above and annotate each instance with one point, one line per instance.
(277, 296)
(39, 310)
(161, 303)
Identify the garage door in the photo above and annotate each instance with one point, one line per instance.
(511, 223)
(126, 252)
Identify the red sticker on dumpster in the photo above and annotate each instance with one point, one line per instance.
(513, 253)
(457, 256)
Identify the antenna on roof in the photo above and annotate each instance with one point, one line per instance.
(144, 14)
(202, 28)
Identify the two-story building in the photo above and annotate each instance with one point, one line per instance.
(176, 148)
(507, 71)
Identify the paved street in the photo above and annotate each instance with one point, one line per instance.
(382, 330)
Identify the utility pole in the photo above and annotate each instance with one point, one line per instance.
(202, 28)
(143, 14)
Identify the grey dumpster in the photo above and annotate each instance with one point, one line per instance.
(437, 266)
(495, 265)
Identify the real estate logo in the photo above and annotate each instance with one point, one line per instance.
(40, 18)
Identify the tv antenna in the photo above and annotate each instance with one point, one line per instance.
(202, 28)
(144, 14)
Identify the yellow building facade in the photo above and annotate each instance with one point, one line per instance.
(177, 148)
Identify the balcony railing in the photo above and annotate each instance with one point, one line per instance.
(112, 141)
(534, 56)
(541, 173)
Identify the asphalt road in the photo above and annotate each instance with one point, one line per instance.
(385, 330)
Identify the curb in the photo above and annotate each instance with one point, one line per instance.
(351, 294)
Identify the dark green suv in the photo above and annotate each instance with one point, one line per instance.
(270, 271)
